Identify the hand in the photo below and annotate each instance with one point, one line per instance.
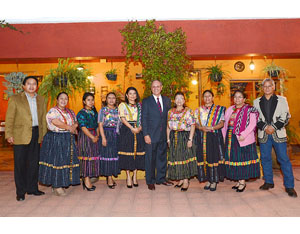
(73, 129)
(104, 142)
(10, 140)
(206, 129)
(168, 141)
(241, 138)
(95, 139)
(189, 144)
(269, 130)
(147, 139)
(134, 130)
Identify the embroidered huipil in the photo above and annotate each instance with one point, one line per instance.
(87, 118)
(128, 111)
(182, 120)
(109, 117)
(67, 116)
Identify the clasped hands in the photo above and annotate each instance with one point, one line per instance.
(269, 130)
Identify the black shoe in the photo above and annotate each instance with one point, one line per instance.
(178, 185)
(87, 188)
(207, 187)
(266, 186)
(213, 188)
(36, 193)
(241, 190)
(135, 185)
(110, 186)
(235, 186)
(291, 192)
(20, 197)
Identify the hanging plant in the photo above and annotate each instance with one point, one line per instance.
(13, 83)
(162, 55)
(111, 74)
(272, 70)
(65, 77)
(215, 75)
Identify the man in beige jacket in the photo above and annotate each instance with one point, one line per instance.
(25, 127)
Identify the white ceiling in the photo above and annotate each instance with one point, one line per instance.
(50, 11)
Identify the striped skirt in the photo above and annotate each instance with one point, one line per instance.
(242, 163)
(109, 159)
(59, 165)
(88, 155)
(182, 161)
(131, 149)
(210, 156)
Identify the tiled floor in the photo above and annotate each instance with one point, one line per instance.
(141, 202)
(163, 202)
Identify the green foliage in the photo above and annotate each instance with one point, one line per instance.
(162, 55)
(215, 74)
(66, 77)
(13, 83)
(4, 24)
(292, 137)
(112, 71)
(272, 70)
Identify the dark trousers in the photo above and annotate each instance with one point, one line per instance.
(26, 164)
(156, 158)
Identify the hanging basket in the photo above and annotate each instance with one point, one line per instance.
(216, 77)
(111, 77)
(60, 81)
(274, 73)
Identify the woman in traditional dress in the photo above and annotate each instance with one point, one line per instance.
(182, 162)
(88, 150)
(210, 144)
(59, 165)
(131, 144)
(241, 159)
(107, 121)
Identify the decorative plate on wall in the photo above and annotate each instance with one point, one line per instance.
(239, 66)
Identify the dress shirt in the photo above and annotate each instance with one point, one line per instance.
(160, 100)
(267, 104)
(33, 108)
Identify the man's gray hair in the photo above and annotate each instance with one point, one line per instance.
(158, 81)
(268, 80)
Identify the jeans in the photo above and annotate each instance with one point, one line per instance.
(283, 159)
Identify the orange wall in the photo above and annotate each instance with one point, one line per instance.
(99, 69)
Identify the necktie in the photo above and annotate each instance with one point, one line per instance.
(159, 106)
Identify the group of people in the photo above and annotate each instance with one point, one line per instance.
(169, 143)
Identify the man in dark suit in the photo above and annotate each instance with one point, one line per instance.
(154, 122)
(25, 127)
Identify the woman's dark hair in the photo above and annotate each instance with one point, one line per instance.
(137, 95)
(209, 91)
(30, 77)
(85, 96)
(241, 92)
(105, 102)
(58, 95)
(176, 94)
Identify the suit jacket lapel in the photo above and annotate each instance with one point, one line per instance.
(273, 106)
(25, 103)
(262, 107)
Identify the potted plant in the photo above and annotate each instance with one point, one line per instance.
(162, 55)
(65, 77)
(13, 83)
(111, 74)
(215, 73)
(274, 71)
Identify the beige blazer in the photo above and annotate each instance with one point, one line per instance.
(18, 120)
(280, 117)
